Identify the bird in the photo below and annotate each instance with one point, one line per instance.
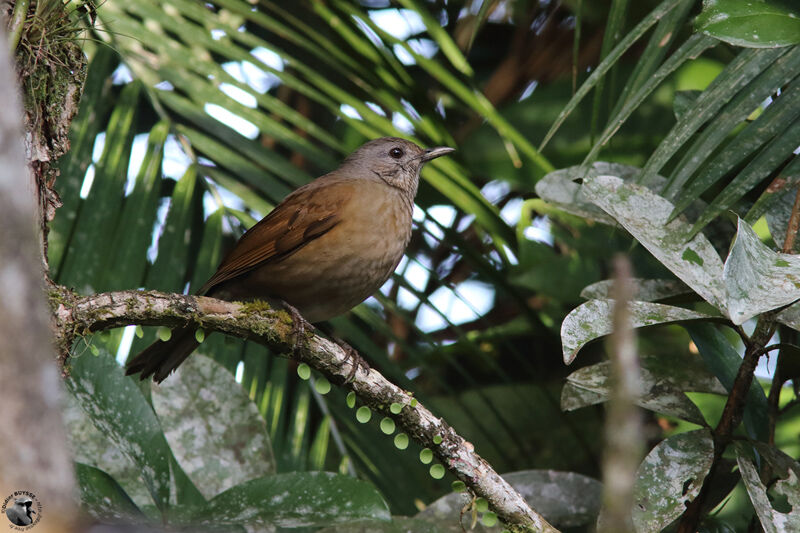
(325, 248)
(20, 513)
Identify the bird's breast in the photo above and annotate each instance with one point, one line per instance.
(337, 271)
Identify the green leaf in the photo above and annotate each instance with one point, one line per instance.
(95, 100)
(776, 152)
(755, 24)
(169, 270)
(691, 49)
(103, 498)
(742, 105)
(119, 409)
(663, 383)
(94, 448)
(735, 77)
(765, 499)
(214, 430)
(758, 279)
(645, 290)
(645, 215)
(133, 235)
(684, 102)
(779, 115)
(634, 35)
(92, 243)
(440, 35)
(566, 499)
(723, 360)
(592, 320)
(296, 500)
(669, 477)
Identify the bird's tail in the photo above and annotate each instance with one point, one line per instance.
(162, 357)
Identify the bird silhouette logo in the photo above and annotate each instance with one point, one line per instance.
(22, 509)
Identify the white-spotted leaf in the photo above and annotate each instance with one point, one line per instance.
(215, 431)
(566, 499)
(645, 290)
(592, 320)
(118, 408)
(644, 214)
(296, 499)
(664, 381)
(786, 488)
(671, 475)
(758, 279)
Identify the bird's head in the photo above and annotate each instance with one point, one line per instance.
(395, 161)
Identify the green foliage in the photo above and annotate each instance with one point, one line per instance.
(232, 105)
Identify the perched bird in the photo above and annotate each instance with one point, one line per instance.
(324, 249)
(20, 513)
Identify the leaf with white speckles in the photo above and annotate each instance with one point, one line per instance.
(645, 290)
(95, 449)
(644, 214)
(758, 279)
(215, 431)
(117, 407)
(103, 498)
(295, 500)
(786, 488)
(560, 189)
(671, 475)
(565, 499)
(790, 316)
(404, 524)
(592, 320)
(664, 380)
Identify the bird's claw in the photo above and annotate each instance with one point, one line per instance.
(298, 327)
(356, 360)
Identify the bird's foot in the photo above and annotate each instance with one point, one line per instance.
(354, 357)
(298, 327)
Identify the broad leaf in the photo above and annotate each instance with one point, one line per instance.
(592, 320)
(645, 290)
(295, 500)
(669, 477)
(645, 214)
(561, 189)
(215, 431)
(119, 409)
(103, 498)
(723, 360)
(766, 500)
(755, 24)
(758, 279)
(664, 380)
(94, 449)
(565, 499)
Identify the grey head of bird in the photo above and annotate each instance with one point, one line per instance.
(397, 162)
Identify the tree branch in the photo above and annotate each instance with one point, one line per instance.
(76, 315)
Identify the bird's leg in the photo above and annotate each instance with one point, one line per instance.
(355, 358)
(298, 326)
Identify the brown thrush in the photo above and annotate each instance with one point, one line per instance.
(324, 249)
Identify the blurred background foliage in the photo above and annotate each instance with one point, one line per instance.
(197, 118)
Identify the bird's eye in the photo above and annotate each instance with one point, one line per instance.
(396, 153)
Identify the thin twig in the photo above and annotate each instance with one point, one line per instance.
(731, 416)
(624, 445)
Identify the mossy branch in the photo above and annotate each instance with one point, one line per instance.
(80, 315)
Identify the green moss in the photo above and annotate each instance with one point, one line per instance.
(256, 306)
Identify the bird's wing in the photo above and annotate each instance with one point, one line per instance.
(305, 215)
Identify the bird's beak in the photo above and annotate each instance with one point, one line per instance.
(433, 153)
